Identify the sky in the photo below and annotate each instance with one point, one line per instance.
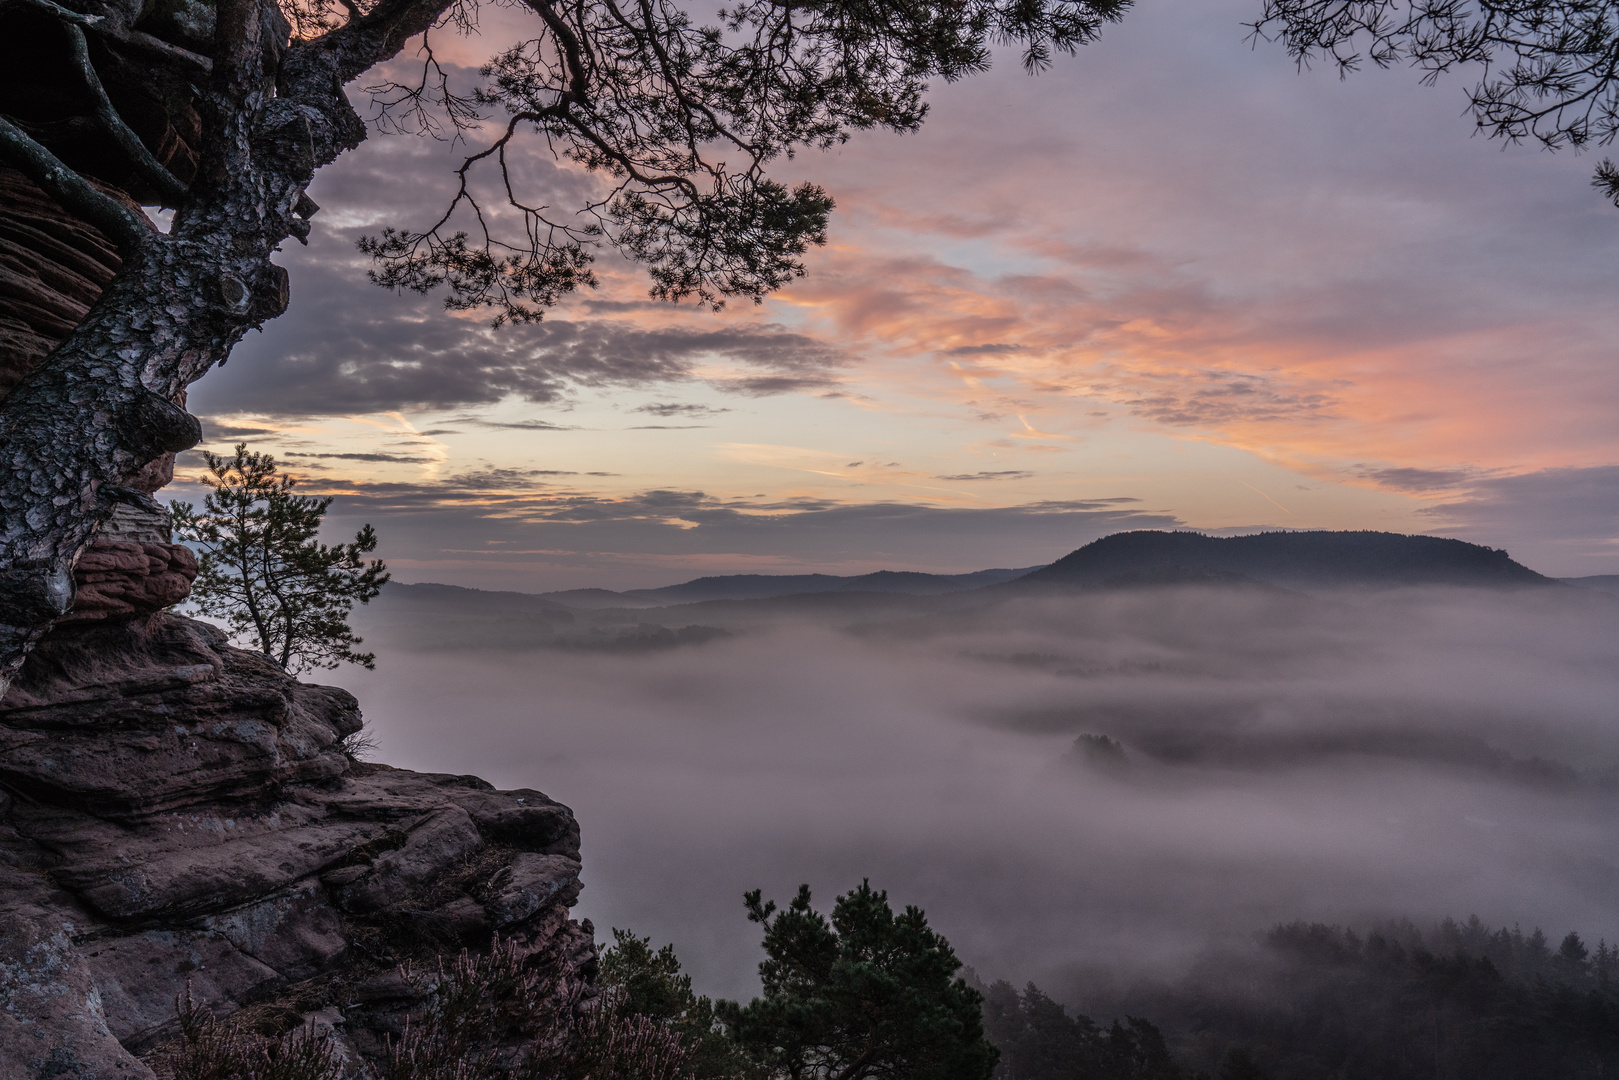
(1172, 282)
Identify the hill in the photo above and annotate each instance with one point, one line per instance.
(1608, 583)
(448, 616)
(444, 600)
(769, 586)
(1289, 559)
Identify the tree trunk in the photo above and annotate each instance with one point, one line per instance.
(83, 426)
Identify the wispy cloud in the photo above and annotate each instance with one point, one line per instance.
(398, 459)
(1560, 521)
(675, 408)
(1000, 474)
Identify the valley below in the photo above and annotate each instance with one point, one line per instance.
(1095, 789)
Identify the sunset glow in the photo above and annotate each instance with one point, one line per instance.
(1170, 277)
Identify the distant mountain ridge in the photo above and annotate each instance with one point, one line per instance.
(1288, 559)
(1140, 559)
(769, 586)
(1608, 583)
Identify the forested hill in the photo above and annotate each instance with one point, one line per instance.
(766, 586)
(1291, 559)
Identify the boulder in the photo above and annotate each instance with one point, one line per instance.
(443, 837)
(53, 1023)
(124, 578)
(530, 883)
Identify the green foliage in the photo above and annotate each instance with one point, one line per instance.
(1460, 1000)
(650, 984)
(678, 122)
(869, 994)
(1606, 180)
(263, 572)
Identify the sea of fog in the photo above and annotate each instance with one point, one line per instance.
(1340, 758)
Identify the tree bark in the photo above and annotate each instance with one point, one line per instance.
(85, 422)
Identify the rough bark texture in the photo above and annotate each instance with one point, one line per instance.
(240, 127)
(53, 268)
(178, 812)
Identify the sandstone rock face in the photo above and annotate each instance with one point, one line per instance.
(176, 812)
(52, 268)
(120, 578)
(133, 567)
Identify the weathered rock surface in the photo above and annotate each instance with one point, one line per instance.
(175, 811)
(52, 268)
(127, 577)
(132, 566)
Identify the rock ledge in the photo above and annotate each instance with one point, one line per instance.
(176, 812)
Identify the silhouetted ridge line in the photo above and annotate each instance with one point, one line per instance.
(770, 586)
(1320, 559)
(1608, 583)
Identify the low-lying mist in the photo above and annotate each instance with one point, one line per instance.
(1342, 759)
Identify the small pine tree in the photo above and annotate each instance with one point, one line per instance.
(866, 995)
(262, 570)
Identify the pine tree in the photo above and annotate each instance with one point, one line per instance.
(262, 570)
(866, 995)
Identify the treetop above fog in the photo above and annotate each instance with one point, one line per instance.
(865, 994)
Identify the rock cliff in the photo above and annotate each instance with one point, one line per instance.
(176, 812)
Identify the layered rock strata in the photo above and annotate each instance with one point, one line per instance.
(176, 812)
(53, 267)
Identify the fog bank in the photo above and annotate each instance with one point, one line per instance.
(1341, 759)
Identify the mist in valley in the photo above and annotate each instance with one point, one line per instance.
(1343, 758)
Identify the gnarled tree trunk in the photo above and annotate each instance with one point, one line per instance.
(84, 424)
(53, 268)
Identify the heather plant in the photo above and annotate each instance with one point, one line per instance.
(492, 1016)
(866, 995)
(481, 1010)
(610, 1043)
(488, 1017)
(215, 1049)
